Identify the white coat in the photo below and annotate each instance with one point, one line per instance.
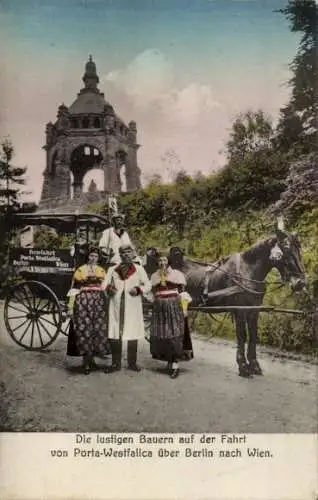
(111, 241)
(125, 314)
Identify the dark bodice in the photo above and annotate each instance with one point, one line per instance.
(167, 286)
(89, 281)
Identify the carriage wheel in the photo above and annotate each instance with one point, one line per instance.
(32, 315)
(65, 324)
(65, 319)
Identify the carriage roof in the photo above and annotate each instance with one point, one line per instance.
(67, 222)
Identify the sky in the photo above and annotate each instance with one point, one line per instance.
(182, 69)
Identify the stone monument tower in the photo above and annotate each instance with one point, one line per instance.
(86, 135)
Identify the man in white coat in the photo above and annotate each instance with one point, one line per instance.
(112, 238)
(125, 285)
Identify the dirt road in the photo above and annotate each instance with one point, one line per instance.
(40, 391)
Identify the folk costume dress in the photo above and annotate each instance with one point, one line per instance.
(88, 304)
(125, 314)
(168, 321)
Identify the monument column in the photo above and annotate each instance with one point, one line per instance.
(46, 188)
(132, 170)
(110, 175)
(115, 176)
(77, 187)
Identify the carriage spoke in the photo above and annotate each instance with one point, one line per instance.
(16, 317)
(39, 332)
(25, 332)
(27, 297)
(33, 301)
(48, 308)
(36, 304)
(32, 334)
(44, 306)
(21, 324)
(47, 321)
(44, 327)
(19, 297)
(16, 309)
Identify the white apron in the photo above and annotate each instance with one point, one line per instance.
(125, 312)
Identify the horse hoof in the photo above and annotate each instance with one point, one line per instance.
(245, 372)
(255, 369)
(245, 375)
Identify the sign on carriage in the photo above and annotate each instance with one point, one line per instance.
(42, 261)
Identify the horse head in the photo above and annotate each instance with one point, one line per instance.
(176, 257)
(286, 257)
(151, 260)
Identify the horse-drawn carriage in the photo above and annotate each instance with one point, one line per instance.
(35, 304)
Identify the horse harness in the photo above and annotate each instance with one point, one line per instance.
(212, 267)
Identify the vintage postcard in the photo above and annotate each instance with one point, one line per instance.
(158, 276)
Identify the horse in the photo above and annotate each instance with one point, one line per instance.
(150, 261)
(239, 280)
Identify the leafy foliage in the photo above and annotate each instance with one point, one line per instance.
(11, 178)
(251, 132)
(297, 129)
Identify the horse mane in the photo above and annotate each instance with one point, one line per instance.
(252, 253)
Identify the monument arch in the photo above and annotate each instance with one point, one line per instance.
(89, 122)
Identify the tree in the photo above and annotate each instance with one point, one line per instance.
(251, 131)
(199, 176)
(155, 179)
(177, 213)
(298, 122)
(289, 131)
(255, 182)
(182, 178)
(10, 178)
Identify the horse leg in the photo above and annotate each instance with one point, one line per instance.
(241, 340)
(252, 322)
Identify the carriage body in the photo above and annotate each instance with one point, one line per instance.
(40, 277)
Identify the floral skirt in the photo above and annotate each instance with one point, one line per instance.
(88, 328)
(167, 335)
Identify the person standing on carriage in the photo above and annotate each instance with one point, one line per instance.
(88, 310)
(112, 238)
(125, 284)
(170, 339)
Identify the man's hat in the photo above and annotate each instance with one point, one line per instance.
(117, 216)
(124, 247)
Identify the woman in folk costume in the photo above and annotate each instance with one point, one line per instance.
(168, 317)
(88, 310)
(125, 285)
